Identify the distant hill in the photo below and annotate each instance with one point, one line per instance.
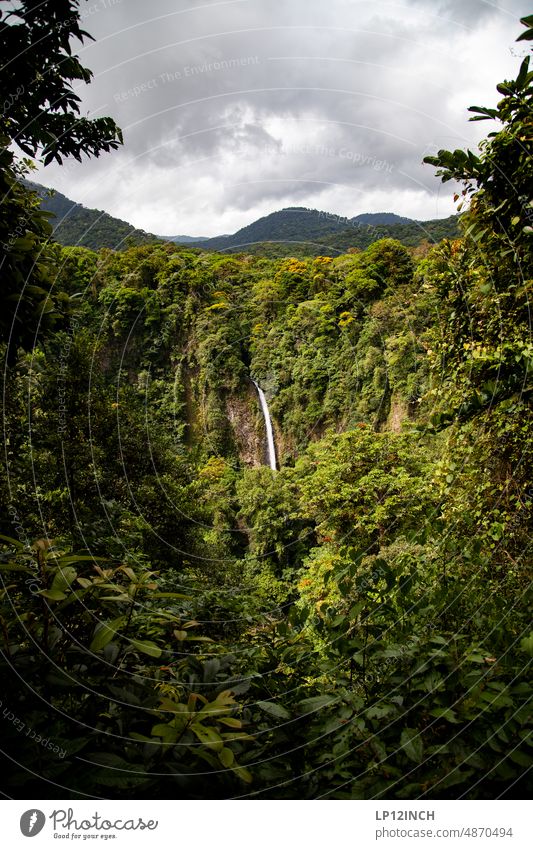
(310, 232)
(75, 224)
(410, 234)
(183, 240)
(292, 223)
(291, 231)
(376, 218)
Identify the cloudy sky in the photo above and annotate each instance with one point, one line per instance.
(231, 110)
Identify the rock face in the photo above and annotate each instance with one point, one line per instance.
(397, 415)
(248, 427)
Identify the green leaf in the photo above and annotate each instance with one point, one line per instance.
(226, 757)
(12, 541)
(230, 721)
(169, 595)
(64, 578)
(52, 595)
(104, 633)
(526, 36)
(14, 567)
(208, 736)
(445, 713)
(484, 113)
(475, 657)
(169, 706)
(380, 711)
(77, 558)
(412, 743)
(147, 647)
(274, 710)
(526, 644)
(242, 773)
(236, 735)
(167, 733)
(315, 703)
(521, 758)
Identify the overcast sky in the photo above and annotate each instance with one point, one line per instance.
(231, 110)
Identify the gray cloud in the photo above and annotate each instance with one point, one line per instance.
(466, 11)
(233, 109)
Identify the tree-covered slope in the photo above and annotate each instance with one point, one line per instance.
(184, 240)
(299, 231)
(355, 237)
(74, 224)
(310, 232)
(291, 224)
(375, 218)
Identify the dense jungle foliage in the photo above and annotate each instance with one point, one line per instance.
(177, 619)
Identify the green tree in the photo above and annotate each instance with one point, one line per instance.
(41, 115)
(41, 109)
(485, 281)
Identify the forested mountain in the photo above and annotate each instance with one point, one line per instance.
(184, 240)
(74, 224)
(291, 224)
(311, 232)
(303, 232)
(178, 619)
(375, 218)
(417, 234)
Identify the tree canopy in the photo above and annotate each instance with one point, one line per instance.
(40, 115)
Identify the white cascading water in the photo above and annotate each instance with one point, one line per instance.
(268, 424)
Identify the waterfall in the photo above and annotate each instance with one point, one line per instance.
(268, 424)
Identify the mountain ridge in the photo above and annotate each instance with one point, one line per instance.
(86, 227)
(297, 223)
(299, 230)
